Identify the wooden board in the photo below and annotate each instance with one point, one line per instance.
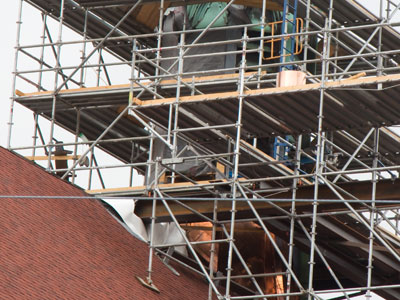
(345, 83)
(201, 79)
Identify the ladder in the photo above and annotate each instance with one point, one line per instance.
(289, 26)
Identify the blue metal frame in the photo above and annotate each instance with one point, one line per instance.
(289, 15)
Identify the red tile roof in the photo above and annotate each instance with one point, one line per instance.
(71, 248)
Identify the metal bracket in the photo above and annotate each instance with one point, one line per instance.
(170, 161)
(148, 284)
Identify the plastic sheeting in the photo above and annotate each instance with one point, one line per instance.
(125, 209)
(164, 233)
(199, 16)
(168, 233)
(174, 21)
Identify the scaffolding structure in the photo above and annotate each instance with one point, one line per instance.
(270, 172)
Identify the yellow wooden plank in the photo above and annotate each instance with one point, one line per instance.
(161, 186)
(195, 98)
(19, 93)
(211, 78)
(276, 90)
(220, 167)
(149, 14)
(90, 89)
(359, 75)
(114, 190)
(126, 86)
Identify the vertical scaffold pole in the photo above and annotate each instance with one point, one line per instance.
(306, 37)
(293, 212)
(83, 53)
(153, 223)
(91, 162)
(35, 132)
(149, 166)
(77, 130)
(159, 41)
(39, 83)
(213, 248)
(41, 59)
(380, 57)
(133, 71)
(372, 216)
(318, 164)
(175, 106)
(261, 45)
(14, 83)
(57, 72)
(236, 164)
(99, 63)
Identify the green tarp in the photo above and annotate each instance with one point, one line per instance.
(201, 15)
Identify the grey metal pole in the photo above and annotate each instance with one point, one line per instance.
(101, 43)
(159, 40)
(77, 131)
(213, 248)
(320, 254)
(150, 161)
(34, 136)
(236, 164)
(372, 214)
(273, 242)
(56, 74)
(14, 82)
(175, 106)
(380, 57)
(261, 44)
(367, 43)
(359, 147)
(362, 220)
(293, 212)
(83, 53)
(153, 223)
(91, 162)
(245, 266)
(41, 59)
(98, 71)
(195, 255)
(132, 80)
(318, 162)
(96, 141)
(306, 37)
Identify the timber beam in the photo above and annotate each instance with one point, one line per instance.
(386, 190)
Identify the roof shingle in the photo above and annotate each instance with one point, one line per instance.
(71, 248)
